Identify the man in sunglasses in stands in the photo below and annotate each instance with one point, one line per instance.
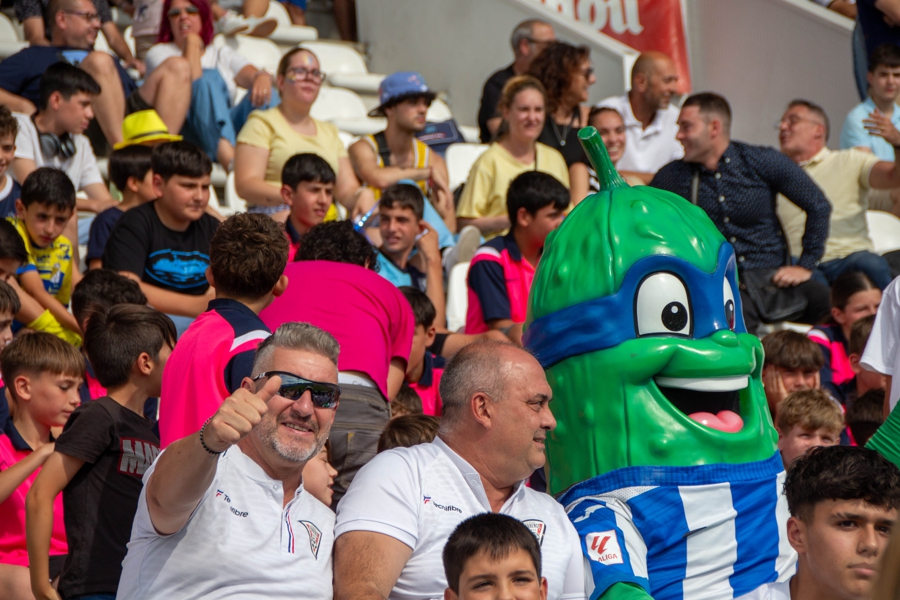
(224, 508)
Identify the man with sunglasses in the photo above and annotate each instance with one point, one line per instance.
(225, 508)
(403, 505)
(74, 25)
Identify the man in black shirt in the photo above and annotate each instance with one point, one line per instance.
(737, 184)
(528, 39)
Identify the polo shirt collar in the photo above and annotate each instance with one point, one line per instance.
(252, 469)
(509, 242)
(393, 264)
(427, 378)
(817, 158)
(631, 121)
(292, 232)
(469, 472)
(16, 438)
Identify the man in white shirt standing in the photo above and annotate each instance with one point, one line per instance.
(650, 118)
(225, 508)
(403, 505)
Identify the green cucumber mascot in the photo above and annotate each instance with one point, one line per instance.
(664, 451)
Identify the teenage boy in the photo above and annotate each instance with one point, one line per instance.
(249, 253)
(130, 171)
(843, 502)
(164, 244)
(9, 187)
(42, 373)
(493, 556)
(101, 455)
(46, 205)
(864, 416)
(864, 380)
(403, 229)
(424, 369)
(54, 136)
(884, 87)
(807, 419)
(307, 186)
(792, 362)
(501, 271)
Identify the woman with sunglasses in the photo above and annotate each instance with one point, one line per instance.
(516, 150)
(272, 136)
(213, 119)
(567, 74)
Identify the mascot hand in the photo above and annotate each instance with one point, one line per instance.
(625, 591)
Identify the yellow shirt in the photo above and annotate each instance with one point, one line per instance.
(843, 176)
(53, 264)
(489, 179)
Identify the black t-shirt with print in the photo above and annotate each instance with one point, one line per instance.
(117, 446)
(172, 260)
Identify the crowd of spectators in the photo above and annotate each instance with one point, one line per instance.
(169, 377)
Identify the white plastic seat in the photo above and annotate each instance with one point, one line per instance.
(262, 53)
(346, 110)
(101, 44)
(10, 40)
(129, 39)
(884, 229)
(346, 138)
(438, 111)
(459, 159)
(233, 203)
(288, 34)
(457, 296)
(346, 68)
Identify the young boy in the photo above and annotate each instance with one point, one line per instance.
(864, 416)
(843, 502)
(864, 380)
(404, 230)
(9, 187)
(502, 269)
(101, 455)
(792, 362)
(249, 253)
(407, 402)
(43, 373)
(806, 419)
(164, 244)
(130, 171)
(493, 556)
(46, 205)
(424, 369)
(307, 186)
(407, 431)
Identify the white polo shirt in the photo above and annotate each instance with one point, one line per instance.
(81, 167)
(647, 150)
(239, 543)
(419, 495)
(882, 353)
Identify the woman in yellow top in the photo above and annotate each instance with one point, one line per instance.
(483, 202)
(270, 137)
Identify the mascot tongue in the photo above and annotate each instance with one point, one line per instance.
(726, 420)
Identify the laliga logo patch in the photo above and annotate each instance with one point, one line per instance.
(603, 547)
(315, 537)
(538, 528)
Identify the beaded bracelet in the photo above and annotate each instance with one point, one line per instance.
(202, 443)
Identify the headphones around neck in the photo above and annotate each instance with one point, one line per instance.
(53, 145)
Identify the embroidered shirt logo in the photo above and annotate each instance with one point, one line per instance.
(443, 507)
(603, 547)
(538, 528)
(136, 456)
(315, 537)
(234, 511)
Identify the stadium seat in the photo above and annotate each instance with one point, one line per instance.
(129, 39)
(346, 110)
(457, 296)
(262, 53)
(459, 159)
(438, 111)
(884, 229)
(101, 44)
(233, 203)
(345, 67)
(346, 138)
(288, 34)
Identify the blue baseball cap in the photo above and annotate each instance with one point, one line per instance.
(399, 86)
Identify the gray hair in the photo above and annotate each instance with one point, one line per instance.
(523, 32)
(478, 367)
(296, 336)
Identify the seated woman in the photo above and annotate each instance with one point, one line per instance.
(483, 202)
(213, 119)
(567, 75)
(611, 127)
(272, 136)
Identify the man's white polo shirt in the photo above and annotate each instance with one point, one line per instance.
(239, 543)
(647, 150)
(419, 495)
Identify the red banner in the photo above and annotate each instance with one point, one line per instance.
(642, 24)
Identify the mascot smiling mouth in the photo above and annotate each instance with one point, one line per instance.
(714, 402)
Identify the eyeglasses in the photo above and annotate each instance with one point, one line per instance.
(324, 395)
(301, 73)
(792, 120)
(588, 72)
(539, 42)
(87, 16)
(174, 13)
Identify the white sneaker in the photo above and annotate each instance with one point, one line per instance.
(466, 244)
(232, 23)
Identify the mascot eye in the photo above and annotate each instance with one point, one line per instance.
(728, 295)
(662, 306)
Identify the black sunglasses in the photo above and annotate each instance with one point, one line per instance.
(324, 395)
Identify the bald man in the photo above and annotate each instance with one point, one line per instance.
(650, 118)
